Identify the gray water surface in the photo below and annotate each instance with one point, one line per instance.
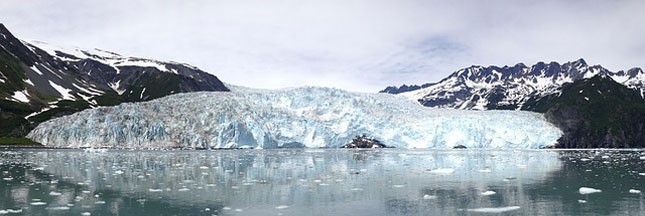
(321, 182)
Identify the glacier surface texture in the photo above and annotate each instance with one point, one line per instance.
(300, 117)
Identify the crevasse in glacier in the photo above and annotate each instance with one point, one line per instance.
(299, 117)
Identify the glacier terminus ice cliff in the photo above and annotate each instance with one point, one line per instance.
(308, 117)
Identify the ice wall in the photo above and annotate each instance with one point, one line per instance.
(301, 117)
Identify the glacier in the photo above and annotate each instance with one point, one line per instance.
(312, 117)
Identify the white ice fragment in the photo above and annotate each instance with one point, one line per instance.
(86, 214)
(427, 197)
(488, 193)
(642, 157)
(495, 210)
(582, 201)
(155, 190)
(183, 189)
(38, 203)
(485, 170)
(7, 179)
(10, 211)
(398, 186)
(357, 189)
(588, 190)
(442, 171)
(99, 202)
(118, 172)
(54, 193)
(634, 191)
(58, 208)
(282, 207)
(226, 208)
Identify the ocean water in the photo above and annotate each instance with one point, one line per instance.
(322, 182)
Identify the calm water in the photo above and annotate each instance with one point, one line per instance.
(321, 182)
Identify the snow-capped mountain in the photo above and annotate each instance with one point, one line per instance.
(39, 81)
(508, 87)
(301, 117)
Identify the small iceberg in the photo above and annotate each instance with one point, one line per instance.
(588, 190)
(495, 210)
(488, 193)
(442, 171)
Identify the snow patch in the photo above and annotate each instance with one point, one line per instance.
(21, 96)
(65, 93)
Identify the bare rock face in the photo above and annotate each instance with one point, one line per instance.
(363, 141)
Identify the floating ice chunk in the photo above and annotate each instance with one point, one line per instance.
(238, 210)
(7, 179)
(398, 186)
(86, 214)
(643, 174)
(495, 210)
(521, 166)
(485, 170)
(282, 207)
(54, 193)
(642, 158)
(10, 211)
(58, 208)
(582, 201)
(118, 172)
(226, 208)
(99, 202)
(183, 189)
(634, 191)
(442, 171)
(488, 193)
(427, 197)
(155, 190)
(588, 190)
(357, 189)
(38, 203)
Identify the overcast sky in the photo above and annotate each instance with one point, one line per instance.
(360, 45)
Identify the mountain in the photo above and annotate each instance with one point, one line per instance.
(300, 117)
(39, 81)
(508, 87)
(596, 112)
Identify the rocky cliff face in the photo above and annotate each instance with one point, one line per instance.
(39, 81)
(594, 113)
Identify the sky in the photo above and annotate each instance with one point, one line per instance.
(357, 45)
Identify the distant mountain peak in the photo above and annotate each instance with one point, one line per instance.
(493, 87)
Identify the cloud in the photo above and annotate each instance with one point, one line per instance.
(359, 45)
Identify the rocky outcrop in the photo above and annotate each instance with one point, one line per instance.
(363, 141)
(595, 113)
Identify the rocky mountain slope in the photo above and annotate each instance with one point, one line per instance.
(596, 112)
(508, 87)
(39, 81)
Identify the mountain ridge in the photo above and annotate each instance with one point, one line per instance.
(507, 87)
(39, 81)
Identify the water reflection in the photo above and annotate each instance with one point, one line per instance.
(301, 182)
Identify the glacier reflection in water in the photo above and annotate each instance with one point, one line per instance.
(296, 182)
